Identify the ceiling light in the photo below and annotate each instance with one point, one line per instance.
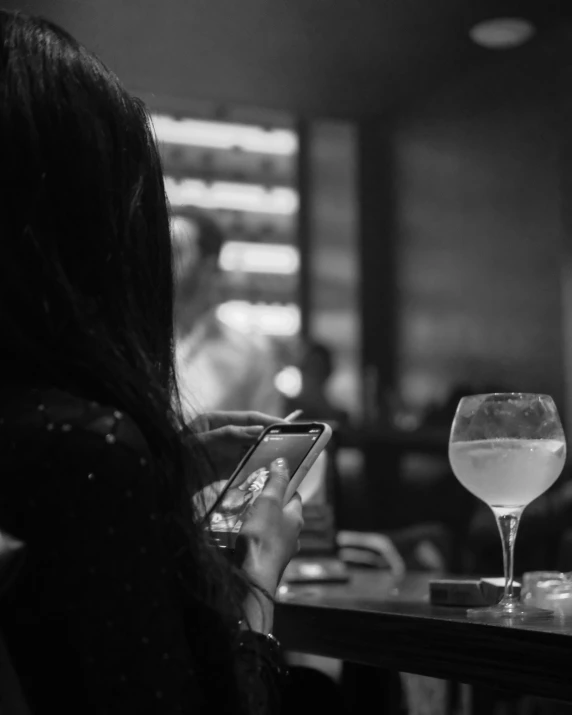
(234, 197)
(283, 320)
(502, 33)
(223, 135)
(247, 257)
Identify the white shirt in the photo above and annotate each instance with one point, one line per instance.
(219, 368)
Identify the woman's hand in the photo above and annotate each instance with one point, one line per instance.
(227, 436)
(269, 535)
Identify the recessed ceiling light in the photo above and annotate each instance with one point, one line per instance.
(502, 32)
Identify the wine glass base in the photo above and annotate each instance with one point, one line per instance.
(510, 612)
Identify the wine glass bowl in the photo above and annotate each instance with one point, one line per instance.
(507, 449)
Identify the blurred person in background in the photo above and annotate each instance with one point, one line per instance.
(218, 367)
(316, 367)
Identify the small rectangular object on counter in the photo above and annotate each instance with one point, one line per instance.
(468, 591)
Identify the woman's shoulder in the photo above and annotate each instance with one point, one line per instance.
(68, 454)
(53, 411)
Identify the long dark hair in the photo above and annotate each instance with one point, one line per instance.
(86, 284)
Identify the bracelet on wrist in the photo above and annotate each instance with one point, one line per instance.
(266, 647)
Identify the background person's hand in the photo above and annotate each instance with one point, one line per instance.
(269, 535)
(227, 436)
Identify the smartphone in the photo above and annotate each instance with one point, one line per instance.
(299, 444)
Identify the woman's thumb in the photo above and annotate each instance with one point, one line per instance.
(278, 479)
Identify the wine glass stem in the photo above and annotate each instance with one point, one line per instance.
(508, 520)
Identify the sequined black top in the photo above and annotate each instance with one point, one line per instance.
(95, 621)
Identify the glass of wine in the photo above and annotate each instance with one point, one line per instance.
(507, 449)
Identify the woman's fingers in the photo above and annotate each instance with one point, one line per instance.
(239, 419)
(294, 507)
(270, 532)
(296, 497)
(275, 487)
(233, 433)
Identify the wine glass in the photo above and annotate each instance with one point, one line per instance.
(507, 449)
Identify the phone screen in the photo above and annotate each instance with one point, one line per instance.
(290, 442)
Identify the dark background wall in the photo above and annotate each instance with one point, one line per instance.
(465, 259)
(479, 238)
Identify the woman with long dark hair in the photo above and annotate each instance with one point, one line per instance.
(119, 605)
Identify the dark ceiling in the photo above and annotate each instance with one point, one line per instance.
(311, 57)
